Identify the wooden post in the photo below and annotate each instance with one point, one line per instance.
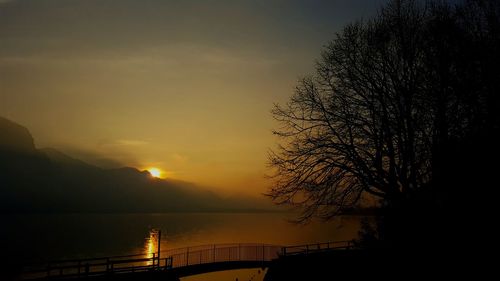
(187, 256)
(154, 258)
(263, 252)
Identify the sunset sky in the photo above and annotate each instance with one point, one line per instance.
(185, 86)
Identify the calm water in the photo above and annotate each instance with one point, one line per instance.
(49, 237)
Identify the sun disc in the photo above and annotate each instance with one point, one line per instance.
(155, 172)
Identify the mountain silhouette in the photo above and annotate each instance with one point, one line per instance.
(47, 180)
(15, 137)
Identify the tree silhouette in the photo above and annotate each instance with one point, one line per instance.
(391, 99)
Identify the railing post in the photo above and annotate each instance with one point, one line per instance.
(263, 252)
(107, 264)
(187, 256)
(154, 258)
(48, 269)
(200, 257)
(166, 263)
(214, 252)
(79, 267)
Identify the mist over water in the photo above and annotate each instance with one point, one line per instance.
(65, 236)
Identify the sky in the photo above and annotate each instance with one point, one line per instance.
(184, 86)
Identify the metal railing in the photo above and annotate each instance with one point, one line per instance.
(222, 253)
(175, 258)
(317, 247)
(96, 266)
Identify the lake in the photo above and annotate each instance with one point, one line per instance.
(68, 236)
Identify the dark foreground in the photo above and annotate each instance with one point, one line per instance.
(379, 265)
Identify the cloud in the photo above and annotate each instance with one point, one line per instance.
(169, 56)
(131, 142)
(178, 158)
(123, 142)
(92, 157)
(106, 155)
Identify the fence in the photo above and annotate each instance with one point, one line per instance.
(176, 258)
(222, 253)
(309, 248)
(96, 266)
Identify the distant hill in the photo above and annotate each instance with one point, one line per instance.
(15, 137)
(48, 180)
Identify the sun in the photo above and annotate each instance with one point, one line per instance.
(155, 172)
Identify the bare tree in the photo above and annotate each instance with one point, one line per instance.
(387, 96)
(356, 127)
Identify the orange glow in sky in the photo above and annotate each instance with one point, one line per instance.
(208, 88)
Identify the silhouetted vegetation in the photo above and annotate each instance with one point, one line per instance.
(402, 111)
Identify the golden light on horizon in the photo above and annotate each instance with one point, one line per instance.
(155, 172)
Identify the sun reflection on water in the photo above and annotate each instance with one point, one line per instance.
(151, 245)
